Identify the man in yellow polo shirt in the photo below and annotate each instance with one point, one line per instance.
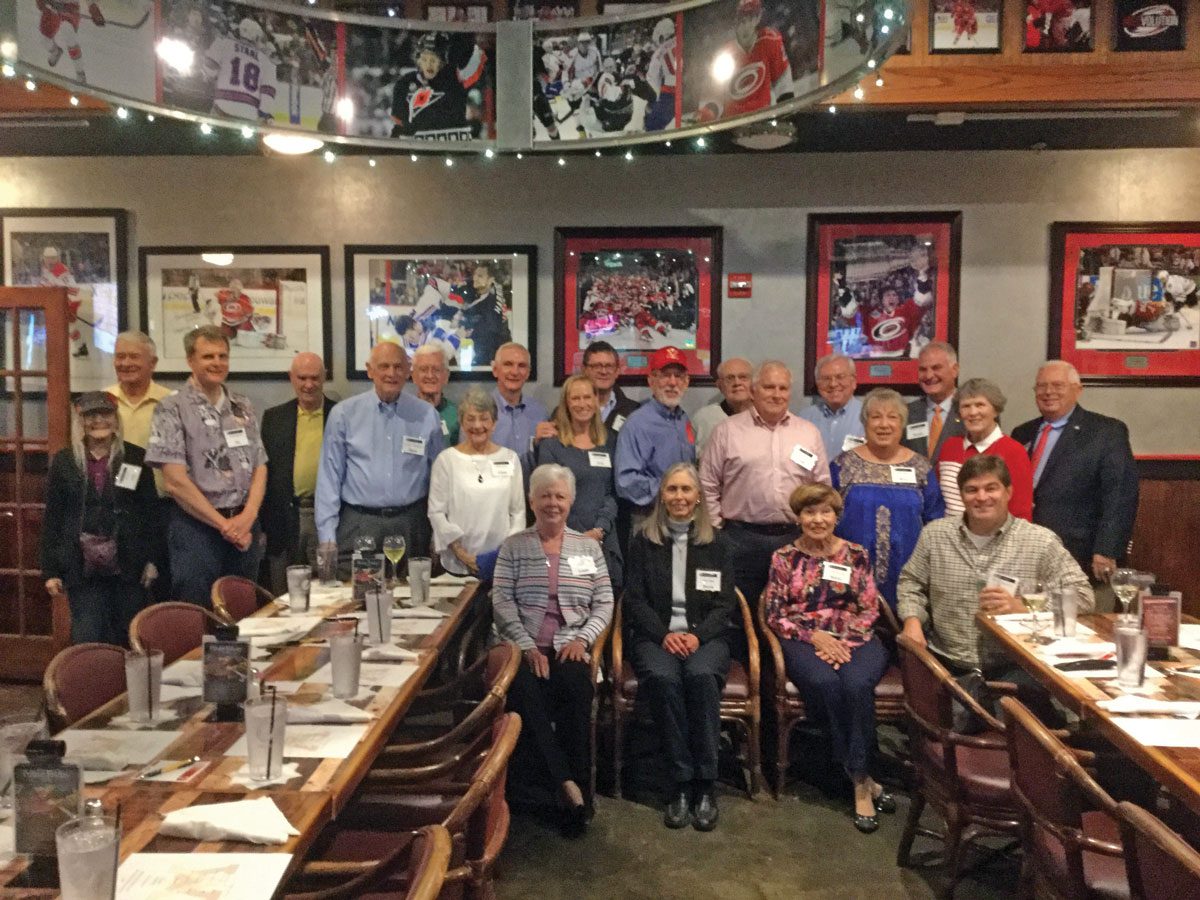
(292, 433)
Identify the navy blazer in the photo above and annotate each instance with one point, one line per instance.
(952, 427)
(1088, 492)
(278, 431)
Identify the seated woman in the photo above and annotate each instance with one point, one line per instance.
(822, 603)
(586, 447)
(476, 496)
(889, 491)
(677, 603)
(99, 541)
(552, 597)
(980, 403)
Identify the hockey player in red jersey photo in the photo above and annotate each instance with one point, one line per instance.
(237, 310)
(760, 73)
(59, 26)
(1058, 25)
(965, 20)
(892, 324)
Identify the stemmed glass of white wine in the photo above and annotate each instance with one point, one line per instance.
(394, 546)
(1125, 586)
(1034, 597)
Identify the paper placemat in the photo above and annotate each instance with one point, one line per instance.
(381, 674)
(109, 750)
(213, 876)
(1161, 732)
(313, 741)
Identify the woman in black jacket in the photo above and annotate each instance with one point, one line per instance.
(679, 595)
(100, 542)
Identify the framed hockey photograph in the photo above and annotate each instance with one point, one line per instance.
(965, 26)
(1124, 301)
(1058, 26)
(639, 289)
(469, 300)
(440, 11)
(271, 302)
(880, 287)
(544, 10)
(84, 251)
(1143, 25)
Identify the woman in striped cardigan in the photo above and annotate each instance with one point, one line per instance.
(551, 596)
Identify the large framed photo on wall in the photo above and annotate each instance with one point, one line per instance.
(84, 251)
(271, 302)
(880, 287)
(468, 299)
(638, 289)
(1123, 301)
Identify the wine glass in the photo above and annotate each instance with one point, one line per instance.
(1125, 585)
(1034, 597)
(364, 545)
(394, 546)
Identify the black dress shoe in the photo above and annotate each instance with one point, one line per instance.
(704, 813)
(574, 821)
(679, 813)
(885, 803)
(866, 824)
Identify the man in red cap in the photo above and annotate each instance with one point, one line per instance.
(656, 435)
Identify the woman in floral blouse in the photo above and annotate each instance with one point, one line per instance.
(822, 603)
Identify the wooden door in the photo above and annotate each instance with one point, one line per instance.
(34, 425)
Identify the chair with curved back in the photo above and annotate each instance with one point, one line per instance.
(788, 702)
(1069, 824)
(469, 801)
(234, 598)
(739, 700)
(424, 857)
(174, 627)
(965, 777)
(80, 679)
(1160, 865)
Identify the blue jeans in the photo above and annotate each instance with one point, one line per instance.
(199, 556)
(102, 608)
(845, 695)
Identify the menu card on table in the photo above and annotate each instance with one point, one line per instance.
(1160, 618)
(201, 876)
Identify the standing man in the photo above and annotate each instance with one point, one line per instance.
(484, 315)
(292, 433)
(602, 364)
(733, 381)
(430, 375)
(835, 411)
(1085, 482)
(656, 436)
(206, 441)
(375, 462)
(520, 420)
(753, 462)
(934, 417)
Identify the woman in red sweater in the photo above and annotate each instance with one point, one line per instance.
(980, 403)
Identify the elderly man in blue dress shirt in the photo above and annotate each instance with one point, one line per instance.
(520, 419)
(375, 462)
(835, 410)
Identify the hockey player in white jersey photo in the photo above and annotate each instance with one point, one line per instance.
(244, 73)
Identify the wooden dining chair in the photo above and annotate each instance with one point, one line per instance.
(235, 598)
(964, 777)
(1069, 825)
(739, 700)
(1159, 864)
(174, 627)
(80, 679)
(468, 800)
(423, 856)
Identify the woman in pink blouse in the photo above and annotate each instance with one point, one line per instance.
(822, 603)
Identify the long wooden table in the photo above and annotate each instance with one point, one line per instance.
(310, 800)
(1175, 768)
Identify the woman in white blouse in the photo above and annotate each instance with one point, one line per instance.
(476, 492)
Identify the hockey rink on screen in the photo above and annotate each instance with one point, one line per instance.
(116, 56)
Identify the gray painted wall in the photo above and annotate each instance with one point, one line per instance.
(1008, 201)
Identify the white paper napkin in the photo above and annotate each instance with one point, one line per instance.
(248, 628)
(185, 672)
(256, 821)
(417, 612)
(1077, 648)
(1130, 703)
(390, 651)
(330, 710)
(242, 776)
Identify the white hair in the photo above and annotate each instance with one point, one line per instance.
(431, 348)
(829, 359)
(948, 349)
(138, 337)
(547, 474)
(770, 364)
(1072, 372)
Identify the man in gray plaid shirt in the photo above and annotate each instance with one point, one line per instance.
(953, 573)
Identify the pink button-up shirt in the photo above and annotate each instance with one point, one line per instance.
(749, 468)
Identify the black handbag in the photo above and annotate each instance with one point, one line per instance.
(966, 720)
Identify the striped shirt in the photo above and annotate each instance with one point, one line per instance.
(521, 590)
(940, 583)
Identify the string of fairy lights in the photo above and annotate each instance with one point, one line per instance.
(180, 57)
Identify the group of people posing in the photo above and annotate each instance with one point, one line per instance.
(826, 515)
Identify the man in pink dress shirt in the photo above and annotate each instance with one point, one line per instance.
(753, 462)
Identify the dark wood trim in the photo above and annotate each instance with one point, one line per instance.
(1168, 468)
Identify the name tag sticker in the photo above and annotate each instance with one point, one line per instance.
(805, 459)
(237, 437)
(835, 572)
(128, 475)
(1000, 580)
(708, 579)
(917, 430)
(413, 445)
(904, 475)
(599, 459)
(582, 565)
(617, 423)
(502, 468)
(445, 428)
(850, 441)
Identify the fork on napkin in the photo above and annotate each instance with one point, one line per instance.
(256, 821)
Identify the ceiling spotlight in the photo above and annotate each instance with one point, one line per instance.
(888, 14)
(667, 144)
(885, 28)
(205, 129)
(774, 123)
(8, 70)
(371, 163)
(391, 12)
(701, 143)
(598, 154)
(330, 156)
(870, 63)
(723, 67)
(520, 156)
(449, 161)
(247, 132)
(879, 81)
(122, 113)
(859, 93)
(8, 49)
(860, 18)
(413, 157)
(345, 109)
(291, 144)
